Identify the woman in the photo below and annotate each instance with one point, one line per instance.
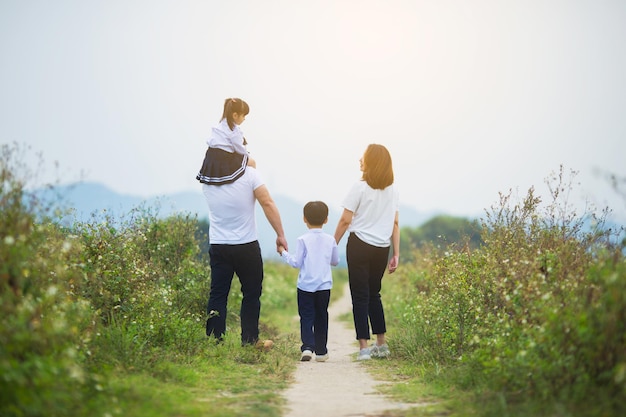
(370, 215)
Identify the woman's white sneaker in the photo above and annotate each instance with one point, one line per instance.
(364, 355)
(381, 351)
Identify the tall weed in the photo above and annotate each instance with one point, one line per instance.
(536, 314)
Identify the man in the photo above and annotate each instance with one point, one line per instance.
(234, 249)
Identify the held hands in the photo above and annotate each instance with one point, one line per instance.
(281, 244)
(393, 264)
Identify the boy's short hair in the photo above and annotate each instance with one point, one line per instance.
(315, 212)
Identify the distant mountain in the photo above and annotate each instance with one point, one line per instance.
(92, 200)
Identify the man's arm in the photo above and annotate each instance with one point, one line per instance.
(270, 209)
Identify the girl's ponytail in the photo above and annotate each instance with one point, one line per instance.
(234, 105)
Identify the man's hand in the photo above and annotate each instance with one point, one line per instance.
(281, 244)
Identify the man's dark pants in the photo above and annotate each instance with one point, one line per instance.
(245, 261)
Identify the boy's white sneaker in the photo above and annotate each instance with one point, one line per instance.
(306, 355)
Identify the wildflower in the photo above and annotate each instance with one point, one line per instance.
(66, 247)
(9, 240)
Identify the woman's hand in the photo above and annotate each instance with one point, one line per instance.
(342, 225)
(393, 264)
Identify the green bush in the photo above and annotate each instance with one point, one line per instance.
(535, 315)
(148, 283)
(44, 330)
(76, 301)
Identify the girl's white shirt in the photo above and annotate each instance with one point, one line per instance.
(228, 140)
(374, 212)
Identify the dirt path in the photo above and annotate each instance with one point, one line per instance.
(340, 387)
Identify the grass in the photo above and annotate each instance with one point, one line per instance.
(229, 380)
(410, 383)
(226, 379)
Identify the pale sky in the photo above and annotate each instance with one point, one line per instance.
(471, 97)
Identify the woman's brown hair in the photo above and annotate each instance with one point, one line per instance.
(234, 105)
(377, 167)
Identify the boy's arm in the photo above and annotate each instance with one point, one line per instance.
(334, 257)
(296, 260)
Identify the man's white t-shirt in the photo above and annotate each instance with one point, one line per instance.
(374, 213)
(232, 219)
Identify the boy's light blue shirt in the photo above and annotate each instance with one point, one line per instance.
(316, 252)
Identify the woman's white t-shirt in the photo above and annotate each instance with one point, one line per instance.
(374, 212)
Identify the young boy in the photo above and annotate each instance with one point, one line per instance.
(316, 252)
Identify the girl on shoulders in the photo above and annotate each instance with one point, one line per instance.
(227, 158)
